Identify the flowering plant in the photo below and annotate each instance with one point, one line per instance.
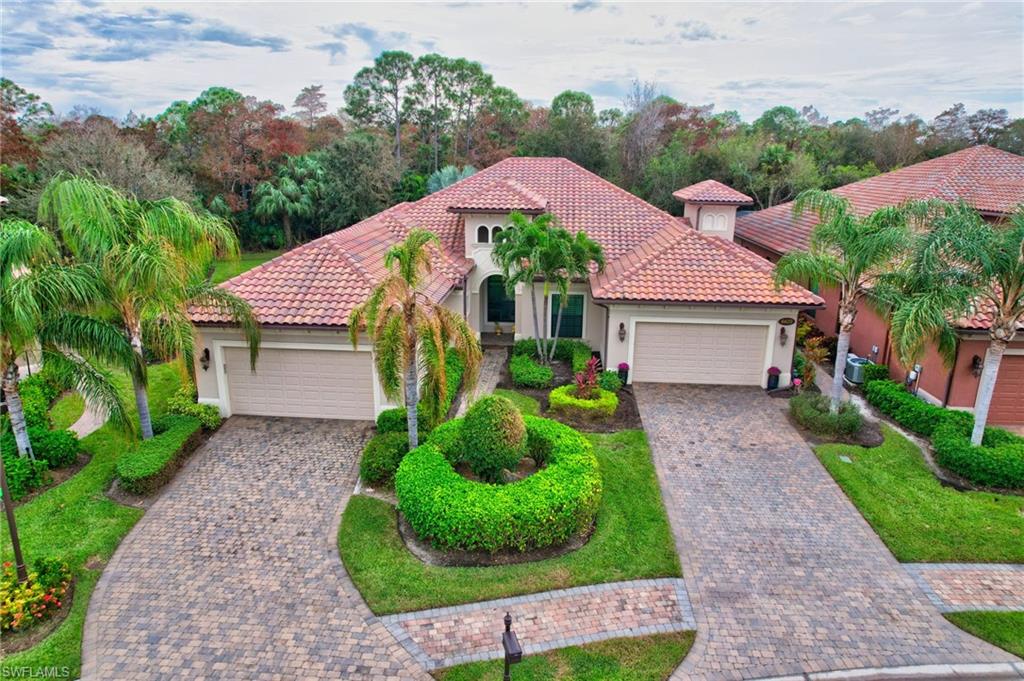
(774, 371)
(23, 605)
(623, 366)
(798, 384)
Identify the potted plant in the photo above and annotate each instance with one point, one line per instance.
(773, 378)
(623, 372)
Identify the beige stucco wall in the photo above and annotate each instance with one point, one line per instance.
(718, 221)
(209, 388)
(620, 351)
(593, 315)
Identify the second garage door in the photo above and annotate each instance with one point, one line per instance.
(722, 354)
(328, 384)
(1008, 398)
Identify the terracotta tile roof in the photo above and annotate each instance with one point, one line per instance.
(679, 264)
(989, 179)
(319, 283)
(504, 196)
(712, 191)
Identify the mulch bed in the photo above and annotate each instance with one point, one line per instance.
(23, 640)
(870, 435)
(55, 477)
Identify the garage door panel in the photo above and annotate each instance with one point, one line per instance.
(727, 354)
(1008, 398)
(301, 383)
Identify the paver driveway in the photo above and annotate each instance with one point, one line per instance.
(784, 575)
(234, 572)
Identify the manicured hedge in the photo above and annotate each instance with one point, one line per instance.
(23, 474)
(563, 399)
(811, 410)
(610, 381)
(57, 448)
(151, 463)
(395, 420)
(381, 457)
(184, 402)
(998, 462)
(498, 435)
(546, 509)
(875, 372)
(526, 373)
(568, 350)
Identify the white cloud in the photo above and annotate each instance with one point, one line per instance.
(842, 58)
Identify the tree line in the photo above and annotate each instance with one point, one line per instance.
(412, 125)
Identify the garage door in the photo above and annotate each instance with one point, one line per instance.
(724, 354)
(1008, 398)
(329, 384)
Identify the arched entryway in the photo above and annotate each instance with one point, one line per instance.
(499, 306)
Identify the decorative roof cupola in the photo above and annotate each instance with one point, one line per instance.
(486, 212)
(710, 207)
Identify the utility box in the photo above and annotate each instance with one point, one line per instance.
(855, 368)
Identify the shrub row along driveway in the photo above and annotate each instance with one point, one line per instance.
(233, 573)
(784, 575)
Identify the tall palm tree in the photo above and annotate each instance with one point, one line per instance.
(411, 333)
(570, 263)
(962, 266)
(850, 253)
(293, 195)
(41, 307)
(517, 250)
(150, 258)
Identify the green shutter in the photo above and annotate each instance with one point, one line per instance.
(572, 316)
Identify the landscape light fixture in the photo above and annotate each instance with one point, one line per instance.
(513, 651)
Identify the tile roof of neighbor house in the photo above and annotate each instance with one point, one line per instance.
(319, 283)
(712, 191)
(989, 179)
(504, 195)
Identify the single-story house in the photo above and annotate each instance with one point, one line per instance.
(990, 180)
(678, 300)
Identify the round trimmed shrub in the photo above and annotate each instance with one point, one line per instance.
(381, 457)
(812, 411)
(610, 381)
(496, 437)
(545, 509)
(564, 400)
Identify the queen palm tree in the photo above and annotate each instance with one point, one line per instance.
(41, 307)
(411, 333)
(960, 267)
(150, 258)
(292, 195)
(850, 253)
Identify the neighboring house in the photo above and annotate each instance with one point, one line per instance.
(990, 180)
(677, 304)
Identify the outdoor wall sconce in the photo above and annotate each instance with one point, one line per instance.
(783, 335)
(513, 651)
(976, 366)
(622, 332)
(204, 359)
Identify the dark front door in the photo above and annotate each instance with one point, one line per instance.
(572, 316)
(501, 307)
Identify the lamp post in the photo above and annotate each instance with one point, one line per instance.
(19, 560)
(513, 651)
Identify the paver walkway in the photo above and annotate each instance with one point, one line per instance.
(234, 572)
(443, 637)
(490, 374)
(970, 586)
(784, 575)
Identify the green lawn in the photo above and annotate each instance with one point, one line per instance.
(524, 403)
(648, 658)
(76, 522)
(919, 519)
(225, 269)
(66, 410)
(1003, 629)
(632, 541)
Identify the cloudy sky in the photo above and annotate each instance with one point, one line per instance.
(844, 58)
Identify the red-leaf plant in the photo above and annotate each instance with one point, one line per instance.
(586, 381)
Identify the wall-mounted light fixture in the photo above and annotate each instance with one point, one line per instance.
(204, 359)
(783, 335)
(622, 332)
(977, 364)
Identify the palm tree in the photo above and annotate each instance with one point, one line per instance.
(150, 258)
(570, 263)
(847, 252)
(293, 196)
(411, 333)
(960, 267)
(517, 250)
(41, 308)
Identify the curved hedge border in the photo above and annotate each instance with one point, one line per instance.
(998, 462)
(151, 463)
(546, 509)
(563, 400)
